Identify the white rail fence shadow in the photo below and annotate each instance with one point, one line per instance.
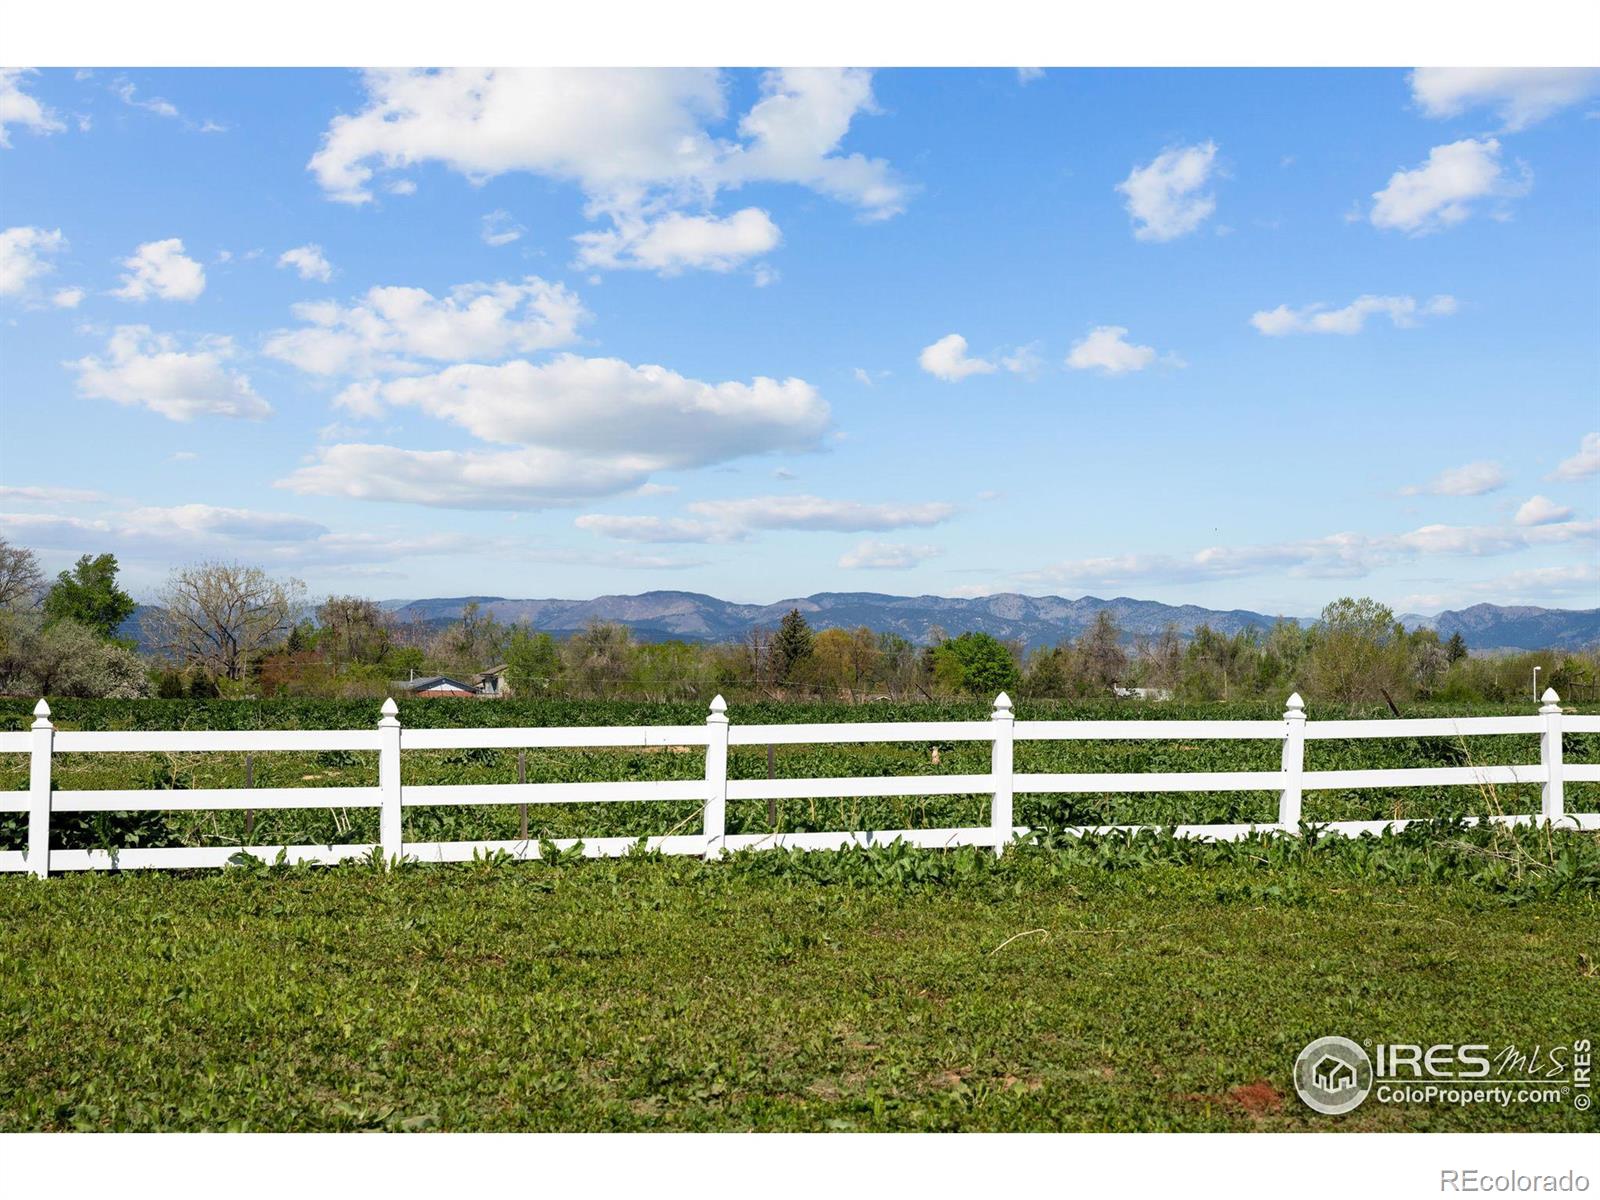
(1291, 781)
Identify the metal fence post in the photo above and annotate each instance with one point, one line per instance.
(1294, 763)
(389, 823)
(44, 735)
(716, 776)
(1552, 803)
(1001, 764)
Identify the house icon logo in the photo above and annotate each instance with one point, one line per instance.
(1333, 1075)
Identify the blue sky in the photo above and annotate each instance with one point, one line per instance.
(1236, 338)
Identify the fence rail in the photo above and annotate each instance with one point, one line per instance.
(1001, 784)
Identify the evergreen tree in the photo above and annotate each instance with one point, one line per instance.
(792, 645)
(1456, 648)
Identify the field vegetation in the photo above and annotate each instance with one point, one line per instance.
(1103, 984)
(1107, 983)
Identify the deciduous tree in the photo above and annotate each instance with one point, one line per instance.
(976, 664)
(352, 629)
(21, 580)
(1360, 653)
(220, 616)
(88, 594)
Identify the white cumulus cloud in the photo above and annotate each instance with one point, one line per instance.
(148, 370)
(723, 521)
(499, 228)
(947, 359)
(818, 513)
(1402, 312)
(388, 328)
(67, 297)
(1167, 197)
(1584, 463)
(1520, 96)
(607, 406)
(52, 495)
(578, 427)
(161, 269)
(874, 555)
(17, 107)
(1441, 192)
(1106, 349)
(531, 477)
(24, 250)
(1540, 510)
(656, 529)
(639, 143)
(1336, 556)
(309, 261)
(161, 536)
(1473, 479)
(678, 241)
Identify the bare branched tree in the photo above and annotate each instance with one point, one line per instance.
(21, 580)
(353, 630)
(221, 615)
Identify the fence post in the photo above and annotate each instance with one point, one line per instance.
(1001, 763)
(1552, 802)
(522, 809)
(389, 823)
(44, 736)
(1294, 763)
(716, 777)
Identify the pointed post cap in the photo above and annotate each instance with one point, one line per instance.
(1002, 704)
(1550, 700)
(391, 713)
(719, 706)
(41, 712)
(1296, 706)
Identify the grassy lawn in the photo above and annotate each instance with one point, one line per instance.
(1099, 988)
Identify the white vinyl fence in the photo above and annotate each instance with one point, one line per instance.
(1291, 781)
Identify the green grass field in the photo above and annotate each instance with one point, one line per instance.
(1088, 986)
(1100, 985)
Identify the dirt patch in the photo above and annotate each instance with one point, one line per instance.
(1258, 1099)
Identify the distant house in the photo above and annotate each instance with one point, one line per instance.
(492, 683)
(487, 685)
(436, 685)
(1142, 693)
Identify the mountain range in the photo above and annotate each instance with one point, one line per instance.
(1032, 620)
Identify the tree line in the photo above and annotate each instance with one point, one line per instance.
(231, 630)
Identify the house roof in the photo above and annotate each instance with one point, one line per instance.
(433, 683)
